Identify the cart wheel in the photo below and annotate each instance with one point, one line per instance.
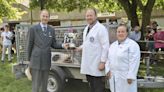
(54, 83)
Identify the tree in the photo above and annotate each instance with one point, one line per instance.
(146, 13)
(8, 11)
(131, 7)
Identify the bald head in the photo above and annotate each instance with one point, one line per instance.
(44, 16)
(44, 11)
(92, 10)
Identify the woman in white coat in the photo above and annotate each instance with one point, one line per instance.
(123, 62)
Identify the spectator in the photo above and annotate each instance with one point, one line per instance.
(154, 25)
(13, 41)
(135, 34)
(1, 30)
(150, 38)
(159, 40)
(6, 38)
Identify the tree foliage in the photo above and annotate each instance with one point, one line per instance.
(107, 5)
(61, 5)
(134, 9)
(102, 5)
(8, 11)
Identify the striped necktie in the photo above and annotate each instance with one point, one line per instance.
(44, 29)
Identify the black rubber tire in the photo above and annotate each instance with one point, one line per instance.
(55, 83)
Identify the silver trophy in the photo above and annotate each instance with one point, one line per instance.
(71, 39)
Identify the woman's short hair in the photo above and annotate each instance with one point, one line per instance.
(124, 25)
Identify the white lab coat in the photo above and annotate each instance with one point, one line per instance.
(123, 62)
(94, 49)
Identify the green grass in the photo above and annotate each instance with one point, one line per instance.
(151, 90)
(8, 83)
(155, 69)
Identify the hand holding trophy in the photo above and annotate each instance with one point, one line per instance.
(70, 39)
(66, 45)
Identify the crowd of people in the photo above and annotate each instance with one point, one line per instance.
(154, 36)
(153, 40)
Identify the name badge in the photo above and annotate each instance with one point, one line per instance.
(49, 34)
(91, 39)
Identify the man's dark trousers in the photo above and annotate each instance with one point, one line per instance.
(97, 84)
(39, 79)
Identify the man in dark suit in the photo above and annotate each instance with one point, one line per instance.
(40, 39)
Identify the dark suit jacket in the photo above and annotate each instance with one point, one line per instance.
(39, 47)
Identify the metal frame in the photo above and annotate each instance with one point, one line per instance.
(21, 32)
